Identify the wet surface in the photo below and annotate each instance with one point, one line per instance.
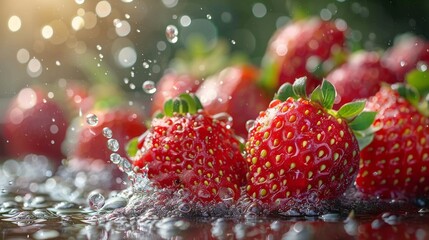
(54, 207)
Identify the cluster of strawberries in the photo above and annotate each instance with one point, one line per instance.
(218, 135)
(299, 147)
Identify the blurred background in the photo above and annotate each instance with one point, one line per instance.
(125, 43)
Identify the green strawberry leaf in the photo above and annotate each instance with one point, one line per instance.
(364, 140)
(317, 95)
(408, 92)
(268, 79)
(351, 110)
(419, 80)
(189, 101)
(363, 121)
(285, 91)
(168, 108)
(131, 147)
(299, 87)
(328, 94)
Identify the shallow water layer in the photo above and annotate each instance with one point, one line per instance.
(36, 204)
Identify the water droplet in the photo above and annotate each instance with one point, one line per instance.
(402, 63)
(226, 194)
(209, 16)
(224, 117)
(171, 33)
(114, 203)
(233, 42)
(184, 208)
(250, 124)
(113, 145)
(92, 119)
(115, 158)
(95, 200)
(107, 132)
(145, 65)
(149, 87)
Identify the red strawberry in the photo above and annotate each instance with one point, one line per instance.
(303, 48)
(90, 143)
(188, 149)
(360, 77)
(405, 55)
(170, 86)
(395, 164)
(235, 92)
(36, 124)
(300, 150)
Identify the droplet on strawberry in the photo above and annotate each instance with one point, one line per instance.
(300, 151)
(185, 148)
(395, 164)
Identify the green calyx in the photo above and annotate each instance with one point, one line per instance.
(185, 103)
(358, 120)
(416, 90)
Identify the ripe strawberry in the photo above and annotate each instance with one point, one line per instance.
(36, 124)
(303, 48)
(170, 86)
(405, 55)
(359, 77)
(300, 150)
(234, 91)
(89, 142)
(188, 149)
(395, 164)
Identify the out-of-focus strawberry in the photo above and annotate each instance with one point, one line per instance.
(406, 54)
(234, 91)
(395, 165)
(89, 143)
(190, 150)
(34, 123)
(309, 47)
(301, 151)
(360, 77)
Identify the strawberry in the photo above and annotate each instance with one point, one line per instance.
(405, 55)
(188, 149)
(234, 91)
(303, 48)
(34, 123)
(90, 143)
(171, 85)
(359, 77)
(395, 164)
(300, 150)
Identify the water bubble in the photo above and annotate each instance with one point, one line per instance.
(115, 158)
(92, 119)
(145, 65)
(46, 234)
(113, 145)
(226, 194)
(250, 124)
(209, 16)
(149, 87)
(171, 33)
(107, 132)
(114, 203)
(185, 208)
(95, 200)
